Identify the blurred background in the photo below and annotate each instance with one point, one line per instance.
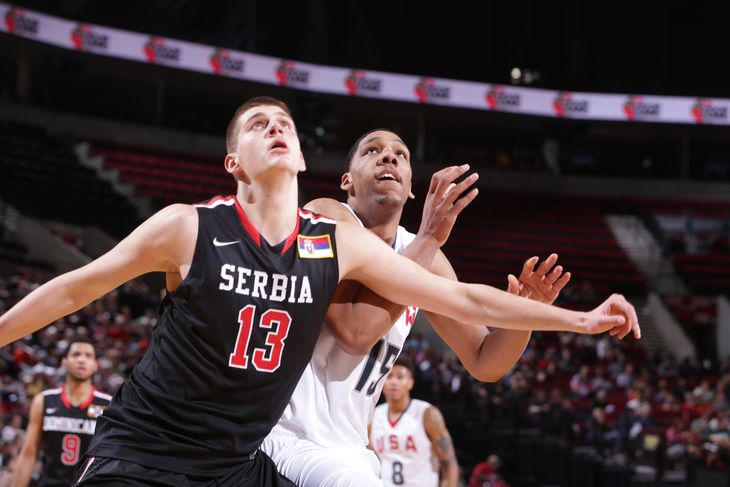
(95, 137)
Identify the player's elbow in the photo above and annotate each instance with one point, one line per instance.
(487, 374)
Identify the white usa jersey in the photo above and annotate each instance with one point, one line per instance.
(404, 449)
(334, 401)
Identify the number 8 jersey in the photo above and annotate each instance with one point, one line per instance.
(229, 347)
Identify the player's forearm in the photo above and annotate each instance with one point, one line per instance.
(23, 470)
(44, 305)
(371, 315)
(485, 305)
(449, 474)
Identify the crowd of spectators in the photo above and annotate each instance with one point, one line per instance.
(591, 390)
(594, 390)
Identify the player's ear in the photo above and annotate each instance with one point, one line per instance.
(411, 195)
(346, 182)
(235, 168)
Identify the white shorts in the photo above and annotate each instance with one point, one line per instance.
(308, 464)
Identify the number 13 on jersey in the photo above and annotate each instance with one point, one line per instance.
(263, 359)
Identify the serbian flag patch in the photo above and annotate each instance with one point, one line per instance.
(314, 247)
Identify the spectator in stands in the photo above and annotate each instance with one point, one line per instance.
(486, 473)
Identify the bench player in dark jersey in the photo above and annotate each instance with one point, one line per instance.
(62, 421)
(250, 277)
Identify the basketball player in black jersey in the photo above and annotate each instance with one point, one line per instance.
(62, 421)
(249, 279)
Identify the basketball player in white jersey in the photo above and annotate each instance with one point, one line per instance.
(321, 439)
(408, 435)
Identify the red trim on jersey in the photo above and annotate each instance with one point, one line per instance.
(89, 400)
(84, 405)
(256, 236)
(64, 398)
(211, 201)
(290, 240)
(247, 224)
(316, 217)
(394, 423)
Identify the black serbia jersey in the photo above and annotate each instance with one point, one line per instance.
(229, 347)
(67, 432)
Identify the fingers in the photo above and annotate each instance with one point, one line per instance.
(528, 267)
(619, 306)
(546, 265)
(464, 201)
(561, 283)
(453, 191)
(554, 275)
(513, 285)
(441, 180)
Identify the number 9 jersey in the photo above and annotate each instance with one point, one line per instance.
(67, 432)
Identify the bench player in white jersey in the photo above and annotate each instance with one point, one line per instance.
(322, 436)
(405, 434)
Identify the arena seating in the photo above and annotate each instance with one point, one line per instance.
(42, 177)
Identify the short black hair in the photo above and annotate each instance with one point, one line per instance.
(79, 339)
(407, 362)
(353, 149)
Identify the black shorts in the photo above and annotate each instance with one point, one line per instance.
(112, 472)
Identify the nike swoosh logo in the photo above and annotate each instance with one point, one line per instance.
(51, 410)
(218, 243)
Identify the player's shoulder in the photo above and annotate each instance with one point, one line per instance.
(102, 396)
(316, 218)
(51, 392)
(380, 409)
(210, 204)
(331, 209)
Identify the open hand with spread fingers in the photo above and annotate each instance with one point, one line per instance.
(541, 284)
(442, 206)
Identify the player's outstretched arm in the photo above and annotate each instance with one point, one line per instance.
(31, 444)
(363, 257)
(443, 447)
(358, 317)
(163, 243)
(488, 355)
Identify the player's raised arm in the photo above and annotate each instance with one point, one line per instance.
(358, 317)
(163, 243)
(365, 258)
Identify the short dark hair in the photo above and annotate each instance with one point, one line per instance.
(232, 130)
(78, 339)
(407, 362)
(353, 149)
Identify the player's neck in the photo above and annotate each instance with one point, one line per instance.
(271, 207)
(77, 391)
(383, 222)
(396, 408)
